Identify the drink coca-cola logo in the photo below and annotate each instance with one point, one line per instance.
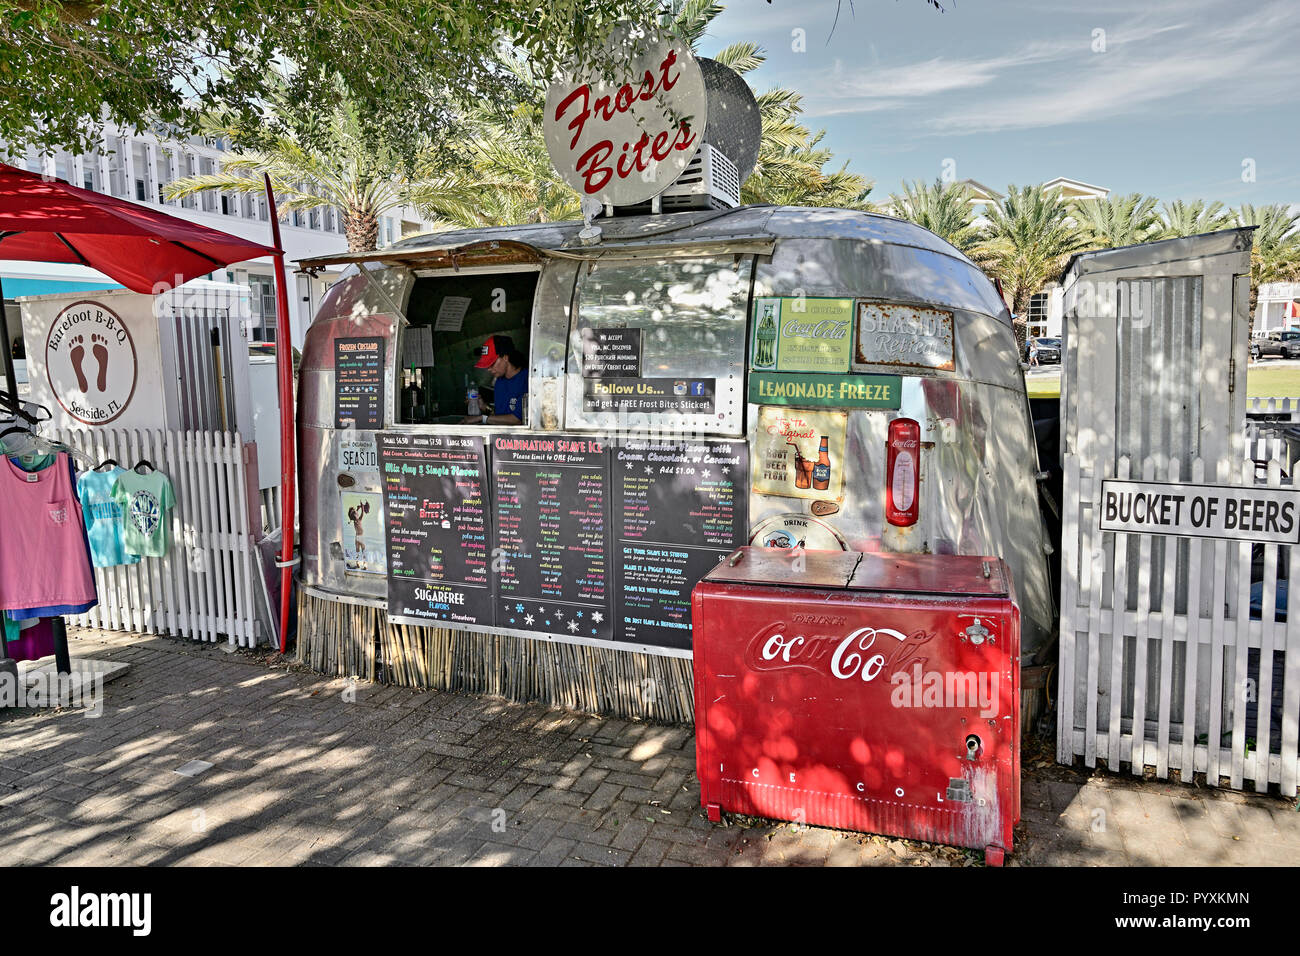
(623, 129)
(817, 329)
(863, 653)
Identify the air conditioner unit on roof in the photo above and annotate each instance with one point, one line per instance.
(710, 181)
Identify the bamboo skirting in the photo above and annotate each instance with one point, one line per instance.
(348, 640)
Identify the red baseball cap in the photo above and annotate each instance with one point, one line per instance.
(492, 349)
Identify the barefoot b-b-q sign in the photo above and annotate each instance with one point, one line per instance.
(90, 361)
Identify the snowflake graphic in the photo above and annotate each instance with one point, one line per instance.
(629, 466)
(528, 619)
(726, 469)
(579, 614)
(519, 609)
(597, 617)
(649, 470)
(559, 614)
(706, 473)
(573, 627)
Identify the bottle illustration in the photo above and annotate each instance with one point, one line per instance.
(473, 401)
(821, 473)
(765, 345)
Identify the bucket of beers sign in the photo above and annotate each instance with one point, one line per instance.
(622, 127)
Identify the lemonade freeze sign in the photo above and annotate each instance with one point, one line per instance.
(803, 334)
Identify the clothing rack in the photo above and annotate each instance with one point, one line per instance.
(14, 412)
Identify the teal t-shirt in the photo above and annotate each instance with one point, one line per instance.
(145, 501)
(103, 518)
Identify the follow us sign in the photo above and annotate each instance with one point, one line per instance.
(1265, 515)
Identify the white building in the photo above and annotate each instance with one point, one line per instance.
(136, 167)
(1278, 306)
(1046, 307)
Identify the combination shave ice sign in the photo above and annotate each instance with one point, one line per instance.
(622, 129)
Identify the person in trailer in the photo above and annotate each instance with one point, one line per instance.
(510, 388)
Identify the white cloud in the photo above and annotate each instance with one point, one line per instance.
(1210, 57)
(885, 87)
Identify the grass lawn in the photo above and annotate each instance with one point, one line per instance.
(1268, 381)
(1263, 380)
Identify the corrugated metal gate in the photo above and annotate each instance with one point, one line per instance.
(1173, 650)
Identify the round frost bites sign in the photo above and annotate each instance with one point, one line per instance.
(90, 362)
(626, 128)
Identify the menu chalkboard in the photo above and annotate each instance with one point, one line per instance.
(680, 508)
(359, 383)
(551, 560)
(435, 501)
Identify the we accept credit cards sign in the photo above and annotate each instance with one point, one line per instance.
(1266, 515)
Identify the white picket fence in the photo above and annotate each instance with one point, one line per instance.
(204, 587)
(1288, 407)
(1161, 660)
(1266, 431)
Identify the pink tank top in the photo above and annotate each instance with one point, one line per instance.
(44, 558)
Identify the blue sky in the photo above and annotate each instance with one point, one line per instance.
(1163, 97)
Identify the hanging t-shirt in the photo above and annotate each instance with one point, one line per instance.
(145, 501)
(44, 556)
(103, 518)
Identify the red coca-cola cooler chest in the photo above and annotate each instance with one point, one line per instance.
(873, 692)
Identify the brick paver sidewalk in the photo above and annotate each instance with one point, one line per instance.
(307, 771)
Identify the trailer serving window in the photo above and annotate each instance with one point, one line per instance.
(450, 316)
(660, 344)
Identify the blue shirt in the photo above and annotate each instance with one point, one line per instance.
(510, 395)
(103, 518)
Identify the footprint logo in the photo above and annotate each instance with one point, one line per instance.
(78, 353)
(99, 349)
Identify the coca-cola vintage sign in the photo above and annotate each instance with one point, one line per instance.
(864, 653)
(623, 128)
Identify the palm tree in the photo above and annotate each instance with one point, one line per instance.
(1117, 220)
(790, 169)
(1275, 252)
(1192, 218)
(338, 166)
(1028, 239)
(943, 208)
(505, 175)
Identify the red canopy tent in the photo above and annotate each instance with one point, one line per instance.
(49, 220)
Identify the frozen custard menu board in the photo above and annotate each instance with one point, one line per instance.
(552, 565)
(435, 499)
(679, 509)
(359, 383)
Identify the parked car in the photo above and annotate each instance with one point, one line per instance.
(1049, 350)
(1284, 344)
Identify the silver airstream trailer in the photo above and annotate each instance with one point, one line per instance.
(786, 353)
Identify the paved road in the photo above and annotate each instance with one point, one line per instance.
(314, 771)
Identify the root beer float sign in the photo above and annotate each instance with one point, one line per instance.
(624, 127)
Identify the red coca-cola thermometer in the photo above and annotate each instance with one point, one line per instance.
(903, 472)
